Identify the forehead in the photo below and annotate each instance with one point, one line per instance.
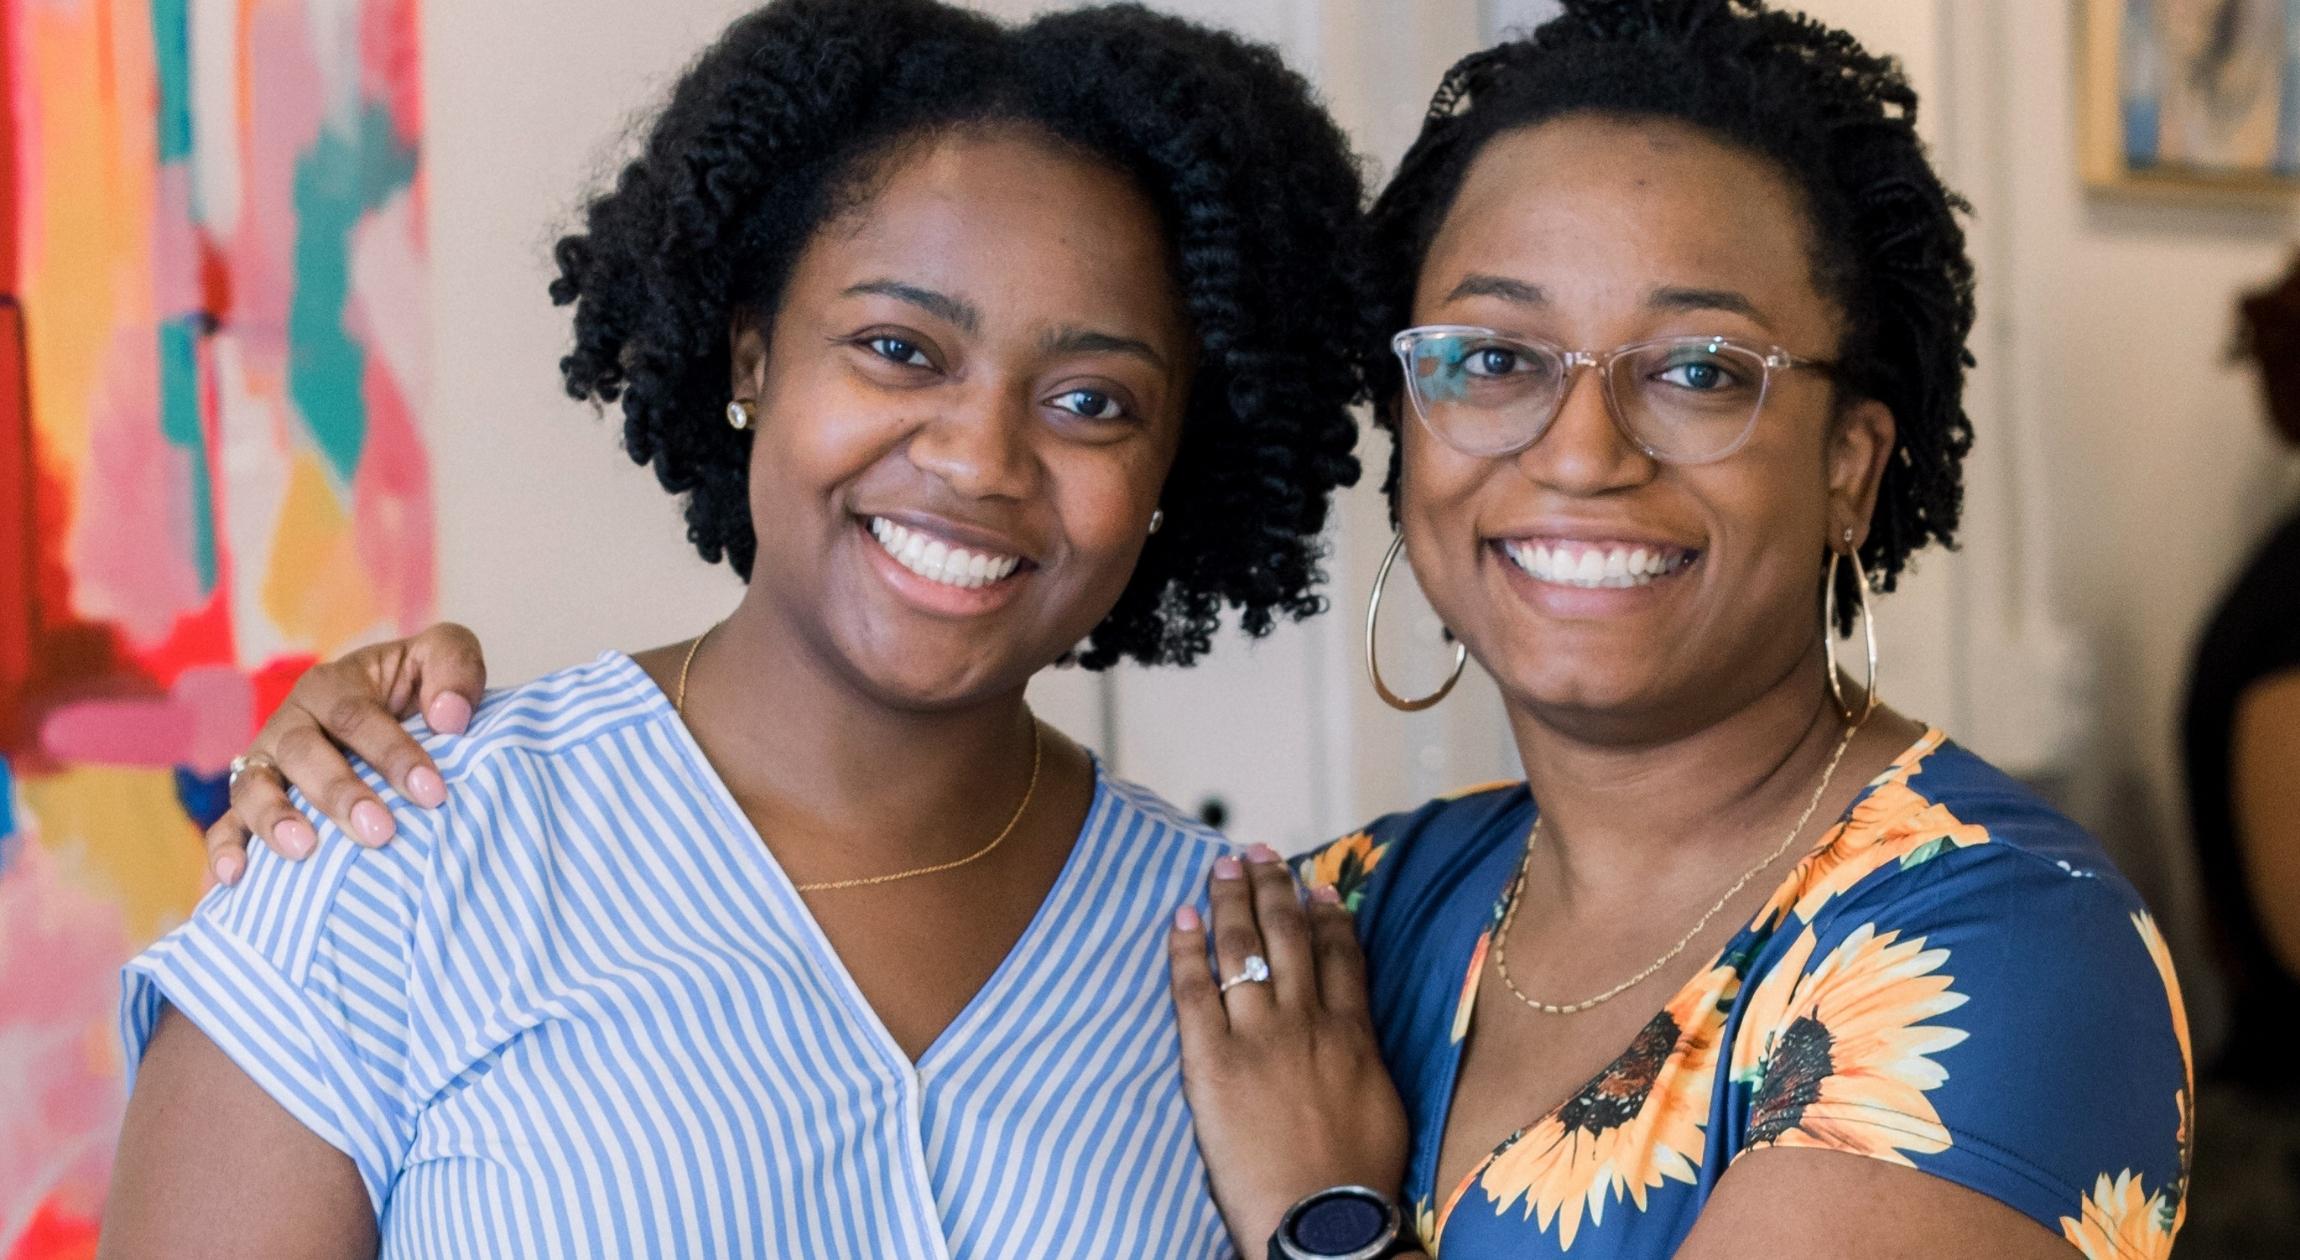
(1010, 218)
(1594, 208)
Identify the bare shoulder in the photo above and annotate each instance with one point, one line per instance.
(209, 1165)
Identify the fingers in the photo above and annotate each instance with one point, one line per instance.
(259, 805)
(451, 675)
(1284, 930)
(1341, 961)
(1236, 938)
(357, 720)
(310, 761)
(227, 849)
(1197, 1004)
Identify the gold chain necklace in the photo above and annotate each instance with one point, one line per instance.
(1037, 761)
(1517, 886)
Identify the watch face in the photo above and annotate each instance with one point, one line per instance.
(1340, 1225)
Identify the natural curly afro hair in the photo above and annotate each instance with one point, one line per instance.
(1839, 122)
(778, 128)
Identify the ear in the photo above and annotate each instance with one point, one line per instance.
(1860, 444)
(746, 358)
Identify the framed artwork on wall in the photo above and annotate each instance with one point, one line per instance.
(2198, 97)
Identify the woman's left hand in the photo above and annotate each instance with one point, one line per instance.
(1288, 1090)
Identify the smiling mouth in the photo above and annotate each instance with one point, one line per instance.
(1597, 566)
(938, 560)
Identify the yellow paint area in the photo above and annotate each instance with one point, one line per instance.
(315, 589)
(123, 829)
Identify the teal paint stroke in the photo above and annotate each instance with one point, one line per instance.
(172, 56)
(9, 840)
(180, 425)
(340, 179)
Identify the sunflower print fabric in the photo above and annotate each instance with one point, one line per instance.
(1956, 981)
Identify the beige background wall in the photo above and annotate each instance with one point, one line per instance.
(2123, 470)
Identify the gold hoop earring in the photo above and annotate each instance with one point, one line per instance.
(1868, 635)
(1373, 665)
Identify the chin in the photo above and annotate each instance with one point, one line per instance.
(1599, 703)
(929, 678)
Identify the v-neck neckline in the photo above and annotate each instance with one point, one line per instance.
(1902, 766)
(784, 894)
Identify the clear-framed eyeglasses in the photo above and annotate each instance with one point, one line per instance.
(1681, 400)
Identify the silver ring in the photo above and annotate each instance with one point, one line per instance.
(246, 762)
(1255, 970)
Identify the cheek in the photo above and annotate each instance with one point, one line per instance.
(810, 441)
(1439, 490)
(1102, 499)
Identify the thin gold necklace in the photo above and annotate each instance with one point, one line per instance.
(1037, 761)
(1517, 886)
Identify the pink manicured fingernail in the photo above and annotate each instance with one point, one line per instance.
(1227, 867)
(426, 788)
(1261, 853)
(229, 865)
(449, 713)
(1186, 918)
(1327, 893)
(371, 821)
(294, 839)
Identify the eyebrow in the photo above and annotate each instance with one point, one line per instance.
(1479, 284)
(941, 305)
(1671, 298)
(1666, 298)
(1088, 341)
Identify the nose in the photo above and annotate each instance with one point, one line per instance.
(979, 445)
(1584, 452)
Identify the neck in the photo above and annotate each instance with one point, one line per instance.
(824, 768)
(1620, 816)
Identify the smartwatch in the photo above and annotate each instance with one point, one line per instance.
(1343, 1223)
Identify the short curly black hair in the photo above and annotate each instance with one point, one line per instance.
(1839, 121)
(777, 128)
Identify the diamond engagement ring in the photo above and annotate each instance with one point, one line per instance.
(251, 761)
(1255, 970)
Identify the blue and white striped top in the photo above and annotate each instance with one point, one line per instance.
(579, 1011)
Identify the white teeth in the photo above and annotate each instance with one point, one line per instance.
(939, 561)
(1595, 566)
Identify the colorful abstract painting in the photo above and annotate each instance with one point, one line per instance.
(212, 342)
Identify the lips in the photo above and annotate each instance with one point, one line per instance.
(1589, 564)
(941, 560)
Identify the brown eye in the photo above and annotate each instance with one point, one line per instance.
(898, 350)
(1092, 404)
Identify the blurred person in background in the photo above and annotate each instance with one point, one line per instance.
(2241, 741)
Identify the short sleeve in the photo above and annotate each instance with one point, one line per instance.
(300, 974)
(2008, 1023)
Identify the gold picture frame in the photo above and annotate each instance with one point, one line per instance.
(2192, 98)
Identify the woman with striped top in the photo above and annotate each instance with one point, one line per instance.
(803, 937)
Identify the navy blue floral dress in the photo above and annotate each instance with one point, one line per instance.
(1956, 981)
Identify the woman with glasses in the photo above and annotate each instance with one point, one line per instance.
(1749, 964)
